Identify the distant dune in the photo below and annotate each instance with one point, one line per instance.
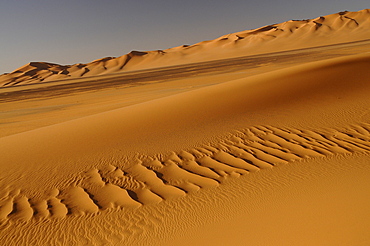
(295, 34)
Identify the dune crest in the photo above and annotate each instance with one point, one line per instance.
(295, 34)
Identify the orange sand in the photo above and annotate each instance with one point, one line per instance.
(241, 148)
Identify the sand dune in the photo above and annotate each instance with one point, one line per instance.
(268, 149)
(173, 119)
(123, 167)
(295, 34)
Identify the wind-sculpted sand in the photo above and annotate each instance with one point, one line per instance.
(150, 180)
(270, 149)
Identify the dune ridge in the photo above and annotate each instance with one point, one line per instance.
(295, 34)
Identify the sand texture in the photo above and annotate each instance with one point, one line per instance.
(256, 138)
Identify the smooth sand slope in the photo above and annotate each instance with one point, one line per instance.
(276, 154)
(30, 107)
(295, 34)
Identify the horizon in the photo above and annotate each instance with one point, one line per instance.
(68, 33)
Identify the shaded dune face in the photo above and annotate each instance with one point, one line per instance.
(295, 34)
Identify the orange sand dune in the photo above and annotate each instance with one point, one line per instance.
(254, 138)
(129, 176)
(295, 34)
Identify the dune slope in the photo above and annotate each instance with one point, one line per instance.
(132, 160)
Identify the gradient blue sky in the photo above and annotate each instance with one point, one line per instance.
(72, 31)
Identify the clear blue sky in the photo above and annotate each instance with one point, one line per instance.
(72, 31)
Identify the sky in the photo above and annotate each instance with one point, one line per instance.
(79, 31)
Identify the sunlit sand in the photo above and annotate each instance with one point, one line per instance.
(260, 137)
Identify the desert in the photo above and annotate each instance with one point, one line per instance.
(260, 137)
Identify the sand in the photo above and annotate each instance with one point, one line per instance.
(264, 148)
